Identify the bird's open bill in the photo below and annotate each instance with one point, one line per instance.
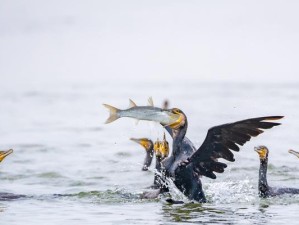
(146, 143)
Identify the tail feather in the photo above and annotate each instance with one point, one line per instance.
(113, 113)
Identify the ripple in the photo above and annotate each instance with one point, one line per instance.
(125, 154)
(33, 145)
(194, 212)
(4, 196)
(107, 196)
(50, 175)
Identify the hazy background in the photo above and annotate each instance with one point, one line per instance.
(93, 41)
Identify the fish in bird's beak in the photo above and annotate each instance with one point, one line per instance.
(3, 154)
(179, 118)
(149, 113)
(294, 152)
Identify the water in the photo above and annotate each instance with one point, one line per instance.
(74, 169)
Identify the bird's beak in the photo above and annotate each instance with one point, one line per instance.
(135, 140)
(261, 152)
(180, 121)
(141, 141)
(294, 152)
(3, 154)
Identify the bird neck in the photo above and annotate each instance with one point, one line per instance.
(263, 184)
(178, 137)
(159, 178)
(148, 158)
(158, 163)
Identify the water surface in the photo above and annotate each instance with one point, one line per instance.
(74, 169)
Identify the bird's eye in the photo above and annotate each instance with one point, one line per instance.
(177, 111)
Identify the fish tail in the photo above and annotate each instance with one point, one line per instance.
(113, 113)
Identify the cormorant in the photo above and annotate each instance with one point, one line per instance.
(185, 165)
(160, 149)
(3, 195)
(264, 189)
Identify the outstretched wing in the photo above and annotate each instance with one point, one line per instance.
(220, 140)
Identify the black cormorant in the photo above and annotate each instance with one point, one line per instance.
(264, 189)
(161, 151)
(186, 164)
(3, 195)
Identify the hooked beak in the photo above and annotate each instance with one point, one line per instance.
(294, 152)
(3, 154)
(262, 153)
(255, 149)
(135, 140)
(142, 141)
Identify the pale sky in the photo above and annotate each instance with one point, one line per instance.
(236, 41)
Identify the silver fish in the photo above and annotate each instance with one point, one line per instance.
(149, 113)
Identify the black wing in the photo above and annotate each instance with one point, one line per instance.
(220, 140)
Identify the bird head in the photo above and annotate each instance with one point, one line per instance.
(146, 143)
(161, 148)
(181, 121)
(262, 151)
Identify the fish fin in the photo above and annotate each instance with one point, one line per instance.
(150, 101)
(113, 113)
(132, 104)
(136, 122)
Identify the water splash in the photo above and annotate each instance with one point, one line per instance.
(231, 192)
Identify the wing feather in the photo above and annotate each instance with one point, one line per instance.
(220, 140)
